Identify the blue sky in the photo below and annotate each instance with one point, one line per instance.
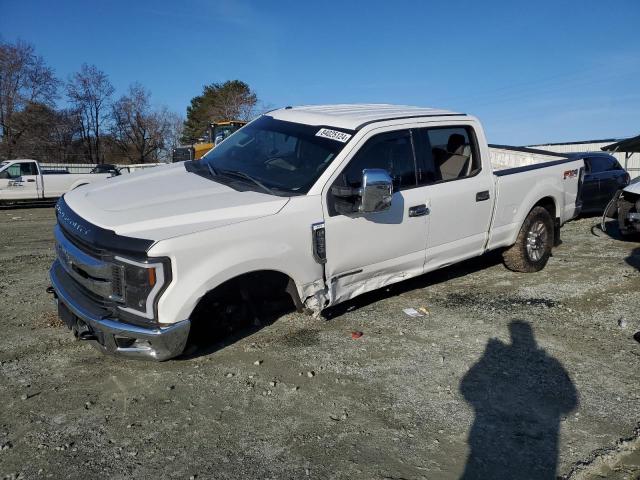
(532, 71)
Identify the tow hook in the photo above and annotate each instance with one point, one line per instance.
(51, 291)
(86, 335)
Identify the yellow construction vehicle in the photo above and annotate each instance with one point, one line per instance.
(215, 134)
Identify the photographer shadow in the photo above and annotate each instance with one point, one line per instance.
(519, 394)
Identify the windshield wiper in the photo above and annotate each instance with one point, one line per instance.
(237, 173)
(212, 170)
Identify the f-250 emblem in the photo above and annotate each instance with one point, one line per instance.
(570, 174)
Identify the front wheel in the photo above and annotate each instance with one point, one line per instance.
(532, 249)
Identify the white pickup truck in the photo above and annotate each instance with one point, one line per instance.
(26, 181)
(317, 203)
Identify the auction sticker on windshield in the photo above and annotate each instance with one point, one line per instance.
(333, 135)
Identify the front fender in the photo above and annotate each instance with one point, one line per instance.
(204, 260)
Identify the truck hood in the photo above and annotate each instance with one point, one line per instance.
(167, 201)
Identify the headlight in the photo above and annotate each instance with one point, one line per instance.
(140, 285)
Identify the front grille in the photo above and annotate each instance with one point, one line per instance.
(81, 296)
(90, 270)
(117, 281)
(97, 299)
(85, 247)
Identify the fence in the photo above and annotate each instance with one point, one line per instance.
(629, 161)
(87, 167)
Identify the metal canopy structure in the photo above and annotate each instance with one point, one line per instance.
(629, 145)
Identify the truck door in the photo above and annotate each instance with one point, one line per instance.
(459, 193)
(6, 175)
(368, 250)
(23, 181)
(591, 197)
(612, 178)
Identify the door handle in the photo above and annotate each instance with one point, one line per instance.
(418, 211)
(31, 180)
(482, 196)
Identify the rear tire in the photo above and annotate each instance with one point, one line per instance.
(532, 249)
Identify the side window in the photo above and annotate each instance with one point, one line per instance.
(28, 169)
(599, 164)
(14, 170)
(392, 152)
(447, 153)
(587, 165)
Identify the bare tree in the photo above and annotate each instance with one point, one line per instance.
(140, 131)
(24, 80)
(89, 92)
(66, 135)
(173, 135)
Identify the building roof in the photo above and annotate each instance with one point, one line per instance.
(627, 145)
(353, 116)
(581, 142)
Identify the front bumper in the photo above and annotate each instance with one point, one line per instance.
(632, 223)
(89, 320)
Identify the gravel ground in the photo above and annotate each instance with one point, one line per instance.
(507, 375)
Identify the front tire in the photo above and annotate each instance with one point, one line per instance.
(532, 249)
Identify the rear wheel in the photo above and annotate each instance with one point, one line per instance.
(532, 249)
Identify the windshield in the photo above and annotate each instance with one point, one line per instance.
(222, 132)
(273, 156)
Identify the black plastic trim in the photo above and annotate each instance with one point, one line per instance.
(346, 274)
(98, 237)
(529, 150)
(536, 166)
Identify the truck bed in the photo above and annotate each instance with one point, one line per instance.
(556, 179)
(504, 157)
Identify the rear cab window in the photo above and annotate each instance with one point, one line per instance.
(602, 164)
(447, 153)
(28, 168)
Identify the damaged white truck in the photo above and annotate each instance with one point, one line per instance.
(317, 203)
(625, 207)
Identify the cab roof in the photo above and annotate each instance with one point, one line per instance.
(354, 116)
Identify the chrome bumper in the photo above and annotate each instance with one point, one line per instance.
(112, 336)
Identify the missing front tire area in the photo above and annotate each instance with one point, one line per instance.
(241, 306)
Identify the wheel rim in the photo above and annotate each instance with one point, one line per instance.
(537, 241)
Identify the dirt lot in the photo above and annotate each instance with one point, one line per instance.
(413, 398)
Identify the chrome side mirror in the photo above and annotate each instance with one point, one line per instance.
(376, 191)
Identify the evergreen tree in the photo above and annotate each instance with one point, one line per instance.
(231, 100)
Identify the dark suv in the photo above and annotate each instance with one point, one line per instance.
(604, 176)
